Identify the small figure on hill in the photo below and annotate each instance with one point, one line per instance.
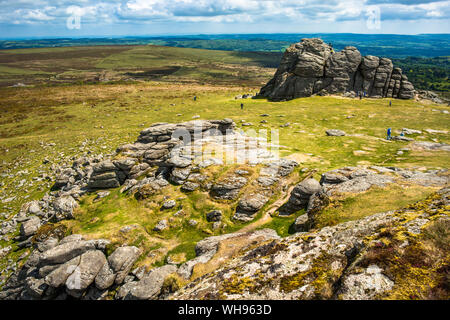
(242, 106)
(331, 47)
(195, 98)
(360, 96)
(388, 134)
(390, 103)
(402, 134)
(364, 94)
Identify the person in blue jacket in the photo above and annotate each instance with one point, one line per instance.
(388, 134)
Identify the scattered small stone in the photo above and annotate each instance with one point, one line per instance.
(215, 215)
(335, 133)
(101, 195)
(169, 204)
(192, 222)
(161, 225)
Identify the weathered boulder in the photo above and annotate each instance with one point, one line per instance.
(58, 276)
(68, 250)
(365, 285)
(228, 188)
(111, 174)
(169, 204)
(213, 216)
(149, 287)
(30, 227)
(84, 274)
(360, 184)
(179, 175)
(207, 248)
(249, 205)
(190, 186)
(427, 145)
(335, 133)
(118, 266)
(311, 66)
(64, 207)
(161, 225)
(302, 192)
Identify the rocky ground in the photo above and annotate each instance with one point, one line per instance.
(341, 261)
(397, 254)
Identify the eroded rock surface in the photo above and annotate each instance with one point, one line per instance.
(313, 67)
(334, 262)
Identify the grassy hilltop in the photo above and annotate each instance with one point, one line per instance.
(45, 125)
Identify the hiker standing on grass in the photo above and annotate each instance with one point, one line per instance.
(388, 134)
(242, 106)
(195, 98)
(390, 103)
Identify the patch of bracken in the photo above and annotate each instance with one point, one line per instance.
(50, 231)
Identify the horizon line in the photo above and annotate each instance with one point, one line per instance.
(210, 34)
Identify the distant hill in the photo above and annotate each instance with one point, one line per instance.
(393, 46)
(101, 59)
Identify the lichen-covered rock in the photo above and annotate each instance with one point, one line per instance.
(338, 262)
(228, 188)
(249, 205)
(149, 287)
(207, 248)
(85, 272)
(64, 207)
(300, 195)
(365, 285)
(66, 251)
(122, 260)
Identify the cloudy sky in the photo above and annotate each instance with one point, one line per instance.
(56, 18)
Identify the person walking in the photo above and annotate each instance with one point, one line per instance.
(388, 134)
(390, 103)
(242, 106)
(195, 98)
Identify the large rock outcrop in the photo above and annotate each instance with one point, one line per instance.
(313, 67)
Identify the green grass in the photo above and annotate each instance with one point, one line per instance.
(375, 200)
(283, 225)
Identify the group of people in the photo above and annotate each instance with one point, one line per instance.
(361, 94)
